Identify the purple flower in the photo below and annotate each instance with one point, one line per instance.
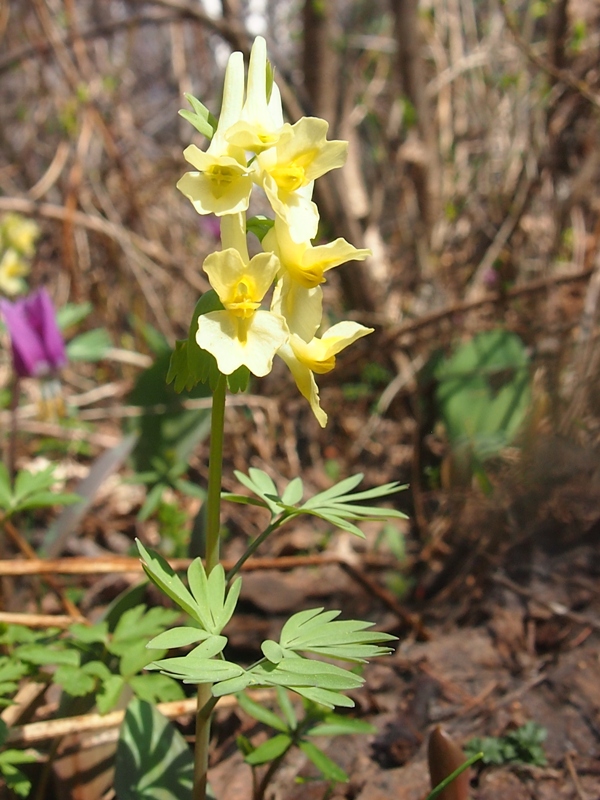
(37, 343)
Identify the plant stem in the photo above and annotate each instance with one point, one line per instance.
(215, 469)
(256, 543)
(206, 701)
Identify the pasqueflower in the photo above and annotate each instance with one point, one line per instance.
(242, 333)
(222, 183)
(37, 343)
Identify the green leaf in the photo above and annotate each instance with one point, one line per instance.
(110, 693)
(161, 574)
(152, 760)
(273, 651)
(243, 500)
(89, 634)
(137, 624)
(336, 725)
(324, 697)
(191, 669)
(29, 483)
(42, 654)
(259, 226)
(484, 392)
(293, 492)
(232, 685)
(89, 346)
(45, 499)
(321, 634)
(269, 750)
(189, 363)
(260, 484)
(260, 713)
(5, 488)
(328, 768)
(209, 593)
(297, 672)
(135, 658)
(156, 688)
(287, 708)
(14, 778)
(238, 381)
(201, 118)
(177, 637)
(74, 680)
(72, 314)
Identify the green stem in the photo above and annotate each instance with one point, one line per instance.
(215, 469)
(206, 702)
(254, 545)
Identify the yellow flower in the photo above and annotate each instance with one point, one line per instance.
(318, 356)
(19, 233)
(241, 334)
(13, 267)
(288, 171)
(304, 353)
(261, 120)
(222, 183)
(304, 263)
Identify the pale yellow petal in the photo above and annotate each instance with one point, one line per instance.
(223, 193)
(233, 100)
(235, 342)
(301, 307)
(260, 124)
(305, 381)
(296, 209)
(317, 260)
(340, 336)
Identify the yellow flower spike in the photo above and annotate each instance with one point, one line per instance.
(304, 263)
(289, 169)
(222, 183)
(318, 355)
(261, 119)
(241, 334)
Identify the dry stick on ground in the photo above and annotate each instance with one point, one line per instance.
(25, 735)
(556, 608)
(30, 553)
(531, 287)
(124, 564)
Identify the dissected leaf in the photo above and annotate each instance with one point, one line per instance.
(153, 760)
(160, 573)
(271, 749)
(258, 712)
(328, 768)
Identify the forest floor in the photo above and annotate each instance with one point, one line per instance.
(493, 595)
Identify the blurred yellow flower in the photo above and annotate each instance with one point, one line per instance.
(13, 268)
